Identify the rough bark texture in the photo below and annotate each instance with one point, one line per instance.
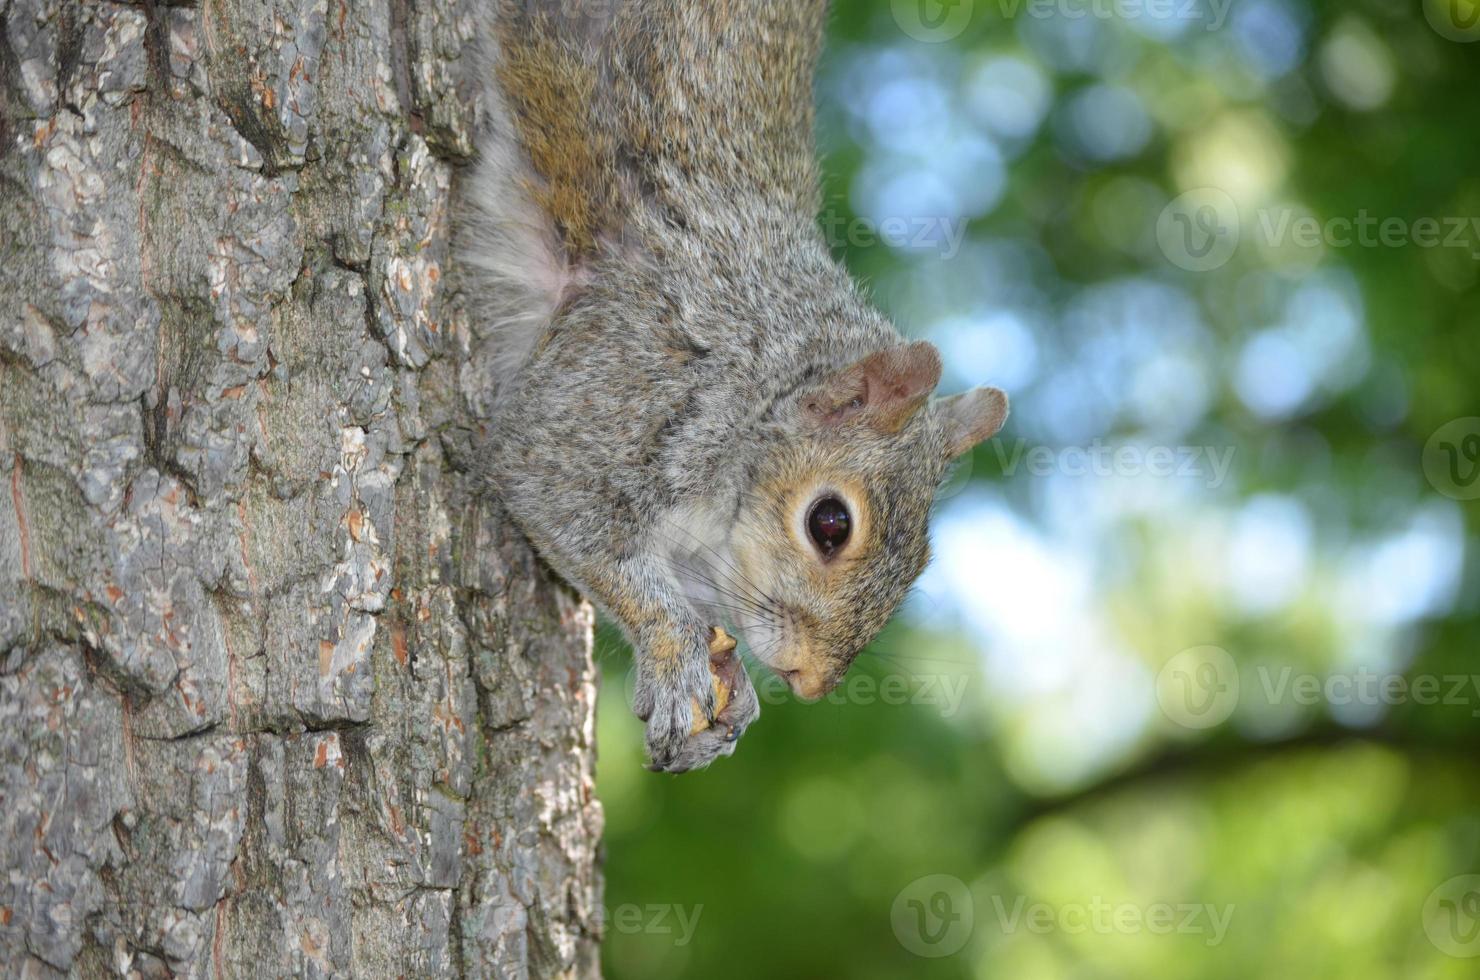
(278, 695)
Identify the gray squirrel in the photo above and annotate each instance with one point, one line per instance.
(699, 422)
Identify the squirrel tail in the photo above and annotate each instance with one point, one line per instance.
(592, 109)
(518, 229)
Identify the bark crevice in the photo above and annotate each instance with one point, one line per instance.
(280, 693)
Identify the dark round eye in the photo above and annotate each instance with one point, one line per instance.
(828, 525)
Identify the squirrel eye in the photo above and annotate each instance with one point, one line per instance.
(828, 525)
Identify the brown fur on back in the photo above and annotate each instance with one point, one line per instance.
(554, 85)
(717, 91)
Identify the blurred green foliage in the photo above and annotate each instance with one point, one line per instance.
(1018, 730)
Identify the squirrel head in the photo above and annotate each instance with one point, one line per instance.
(833, 527)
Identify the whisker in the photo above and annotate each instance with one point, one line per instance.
(678, 562)
(747, 604)
(728, 563)
(734, 592)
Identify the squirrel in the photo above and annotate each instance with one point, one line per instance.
(699, 421)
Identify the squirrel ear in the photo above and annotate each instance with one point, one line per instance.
(885, 388)
(972, 417)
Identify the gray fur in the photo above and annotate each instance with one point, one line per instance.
(660, 390)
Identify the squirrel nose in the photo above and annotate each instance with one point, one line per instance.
(807, 683)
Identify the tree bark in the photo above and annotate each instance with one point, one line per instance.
(279, 694)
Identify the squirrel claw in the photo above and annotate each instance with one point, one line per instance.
(724, 667)
(715, 729)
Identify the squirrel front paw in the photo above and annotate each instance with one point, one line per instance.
(695, 717)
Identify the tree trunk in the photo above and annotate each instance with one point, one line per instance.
(279, 696)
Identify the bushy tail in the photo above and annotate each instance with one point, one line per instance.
(594, 110)
(529, 196)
